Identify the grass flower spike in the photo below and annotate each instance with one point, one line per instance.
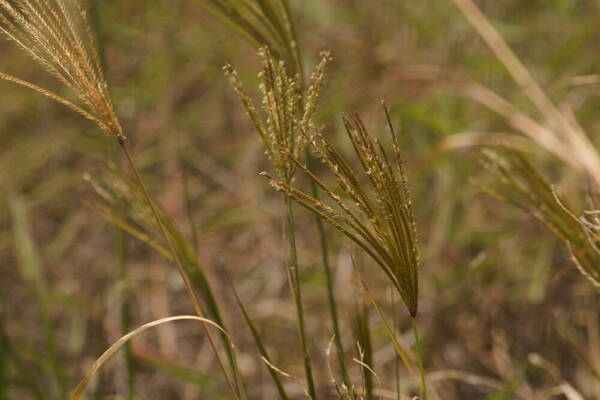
(288, 113)
(47, 31)
(379, 220)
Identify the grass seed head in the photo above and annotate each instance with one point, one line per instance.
(58, 37)
(376, 211)
(287, 118)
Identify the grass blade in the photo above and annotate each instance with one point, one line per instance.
(27, 255)
(83, 384)
(259, 343)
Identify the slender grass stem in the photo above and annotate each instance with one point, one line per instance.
(184, 276)
(330, 288)
(297, 292)
(419, 353)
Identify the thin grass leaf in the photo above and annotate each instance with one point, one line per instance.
(260, 344)
(83, 384)
(31, 271)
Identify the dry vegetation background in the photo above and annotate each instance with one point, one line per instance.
(503, 312)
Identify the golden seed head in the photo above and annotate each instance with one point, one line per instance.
(58, 37)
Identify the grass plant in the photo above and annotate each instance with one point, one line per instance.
(381, 223)
(287, 116)
(268, 25)
(50, 34)
(520, 184)
(494, 329)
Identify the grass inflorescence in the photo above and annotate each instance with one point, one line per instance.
(378, 219)
(50, 33)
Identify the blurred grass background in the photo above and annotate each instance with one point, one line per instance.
(495, 286)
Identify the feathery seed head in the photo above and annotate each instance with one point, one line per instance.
(288, 112)
(50, 33)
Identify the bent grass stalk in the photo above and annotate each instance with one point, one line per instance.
(47, 31)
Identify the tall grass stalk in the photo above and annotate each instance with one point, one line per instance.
(295, 285)
(287, 115)
(49, 33)
(331, 299)
(283, 44)
(419, 353)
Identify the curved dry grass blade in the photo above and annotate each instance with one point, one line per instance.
(76, 395)
(566, 131)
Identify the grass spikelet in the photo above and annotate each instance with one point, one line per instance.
(48, 33)
(378, 219)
